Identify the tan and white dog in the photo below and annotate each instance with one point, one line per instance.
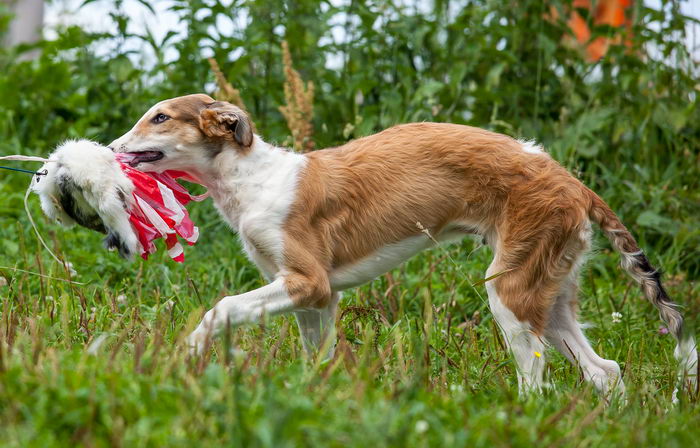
(319, 223)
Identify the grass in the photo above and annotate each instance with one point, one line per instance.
(419, 360)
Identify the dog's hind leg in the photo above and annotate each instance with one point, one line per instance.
(529, 266)
(564, 332)
(317, 329)
(527, 347)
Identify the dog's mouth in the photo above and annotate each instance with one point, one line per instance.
(134, 158)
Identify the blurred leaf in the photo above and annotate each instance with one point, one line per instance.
(493, 77)
(651, 219)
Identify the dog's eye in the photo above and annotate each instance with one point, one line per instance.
(159, 118)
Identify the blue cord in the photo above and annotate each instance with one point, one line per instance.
(38, 173)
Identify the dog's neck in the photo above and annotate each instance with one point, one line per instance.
(260, 178)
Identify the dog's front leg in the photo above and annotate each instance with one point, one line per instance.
(286, 293)
(241, 309)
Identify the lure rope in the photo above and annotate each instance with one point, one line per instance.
(36, 229)
(20, 170)
(26, 197)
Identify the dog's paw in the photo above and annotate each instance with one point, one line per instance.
(197, 342)
(238, 353)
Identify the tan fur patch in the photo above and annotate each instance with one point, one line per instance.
(199, 119)
(224, 120)
(182, 110)
(356, 198)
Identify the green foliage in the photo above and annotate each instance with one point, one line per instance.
(626, 125)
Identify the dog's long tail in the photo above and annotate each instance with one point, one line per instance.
(637, 265)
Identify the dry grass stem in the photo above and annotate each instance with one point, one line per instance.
(226, 91)
(299, 109)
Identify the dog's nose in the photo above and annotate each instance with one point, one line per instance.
(115, 146)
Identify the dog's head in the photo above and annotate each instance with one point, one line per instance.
(186, 133)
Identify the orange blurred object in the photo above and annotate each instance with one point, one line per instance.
(607, 12)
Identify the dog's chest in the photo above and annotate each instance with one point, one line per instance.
(256, 202)
(261, 232)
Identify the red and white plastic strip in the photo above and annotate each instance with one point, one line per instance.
(159, 209)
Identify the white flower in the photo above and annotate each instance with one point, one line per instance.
(169, 304)
(121, 298)
(70, 268)
(616, 317)
(3, 281)
(422, 426)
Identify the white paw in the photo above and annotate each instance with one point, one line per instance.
(197, 341)
(238, 353)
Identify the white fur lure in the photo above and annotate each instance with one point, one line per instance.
(87, 184)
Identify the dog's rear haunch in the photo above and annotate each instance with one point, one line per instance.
(319, 223)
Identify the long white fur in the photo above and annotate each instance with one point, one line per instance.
(93, 168)
(532, 147)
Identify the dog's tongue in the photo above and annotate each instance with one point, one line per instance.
(134, 158)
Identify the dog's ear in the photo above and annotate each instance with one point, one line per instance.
(224, 120)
